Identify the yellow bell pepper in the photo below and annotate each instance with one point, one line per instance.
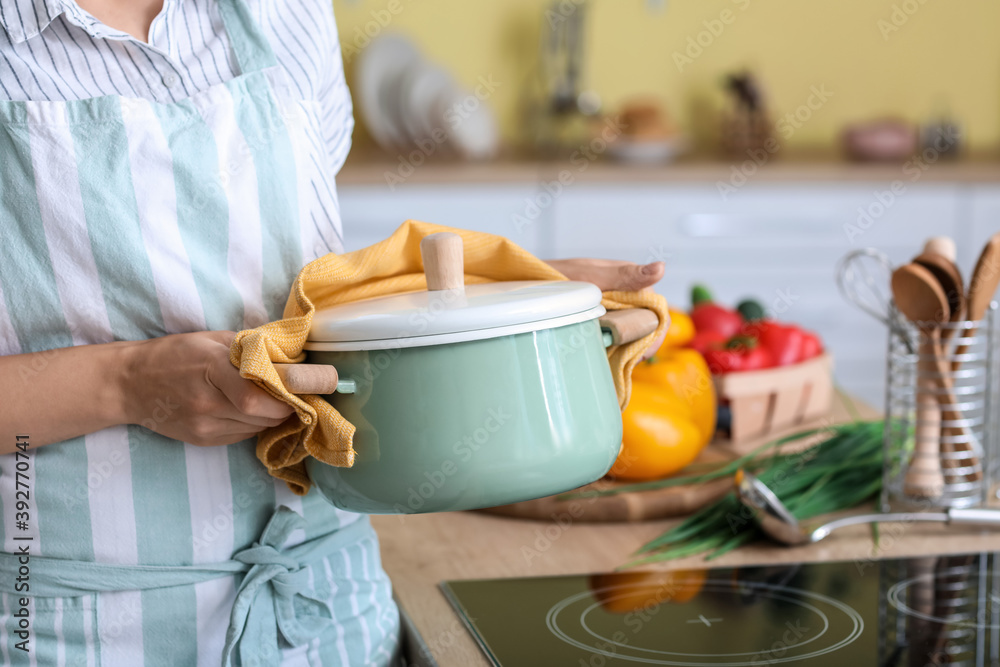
(670, 418)
(684, 373)
(658, 435)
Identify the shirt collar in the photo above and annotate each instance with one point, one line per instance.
(24, 19)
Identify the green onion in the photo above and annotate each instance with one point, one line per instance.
(842, 470)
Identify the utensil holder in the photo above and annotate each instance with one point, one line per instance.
(941, 420)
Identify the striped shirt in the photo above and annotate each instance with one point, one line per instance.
(125, 495)
(54, 50)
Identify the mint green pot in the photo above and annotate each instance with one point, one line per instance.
(474, 424)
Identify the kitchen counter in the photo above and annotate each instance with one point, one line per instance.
(364, 169)
(420, 551)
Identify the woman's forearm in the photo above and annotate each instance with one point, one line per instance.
(59, 394)
(182, 386)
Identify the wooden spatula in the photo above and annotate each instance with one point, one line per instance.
(982, 287)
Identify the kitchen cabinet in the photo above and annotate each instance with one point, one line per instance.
(780, 244)
(371, 213)
(984, 216)
(777, 241)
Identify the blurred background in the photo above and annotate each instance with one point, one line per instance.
(750, 145)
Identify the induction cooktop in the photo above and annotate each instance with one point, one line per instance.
(906, 612)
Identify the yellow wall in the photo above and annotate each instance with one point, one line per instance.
(944, 50)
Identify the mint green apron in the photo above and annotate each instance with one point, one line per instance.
(268, 601)
(126, 219)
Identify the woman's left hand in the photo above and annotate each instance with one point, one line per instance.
(613, 276)
(610, 274)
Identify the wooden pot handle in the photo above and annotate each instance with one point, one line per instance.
(308, 378)
(444, 265)
(629, 325)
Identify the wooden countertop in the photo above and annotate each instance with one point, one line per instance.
(420, 551)
(367, 169)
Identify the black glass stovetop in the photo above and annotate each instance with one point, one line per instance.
(937, 610)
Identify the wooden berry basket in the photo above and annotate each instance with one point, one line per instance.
(771, 400)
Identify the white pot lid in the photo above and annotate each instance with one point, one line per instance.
(476, 312)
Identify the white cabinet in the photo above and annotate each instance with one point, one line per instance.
(778, 242)
(372, 213)
(984, 212)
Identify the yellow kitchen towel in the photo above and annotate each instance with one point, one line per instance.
(388, 267)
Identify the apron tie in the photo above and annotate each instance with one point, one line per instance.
(269, 600)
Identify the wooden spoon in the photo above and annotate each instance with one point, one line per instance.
(924, 478)
(921, 299)
(950, 278)
(982, 287)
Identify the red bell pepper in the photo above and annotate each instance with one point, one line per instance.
(783, 341)
(709, 316)
(811, 346)
(704, 341)
(740, 354)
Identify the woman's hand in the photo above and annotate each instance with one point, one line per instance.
(610, 274)
(184, 387)
(614, 276)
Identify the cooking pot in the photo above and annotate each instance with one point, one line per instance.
(467, 396)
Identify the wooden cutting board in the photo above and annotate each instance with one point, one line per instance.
(634, 506)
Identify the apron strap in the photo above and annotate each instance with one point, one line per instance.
(252, 50)
(269, 600)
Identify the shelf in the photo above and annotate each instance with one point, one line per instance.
(371, 170)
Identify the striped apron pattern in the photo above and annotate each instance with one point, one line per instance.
(126, 219)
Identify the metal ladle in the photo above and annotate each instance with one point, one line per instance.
(779, 524)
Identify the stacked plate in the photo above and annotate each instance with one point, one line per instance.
(410, 104)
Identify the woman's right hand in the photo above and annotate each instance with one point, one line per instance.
(183, 386)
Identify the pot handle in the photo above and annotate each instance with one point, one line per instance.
(312, 379)
(628, 325)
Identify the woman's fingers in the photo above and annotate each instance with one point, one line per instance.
(221, 337)
(207, 402)
(253, 405)
(635, 277)
(231, 413)
(228, 432)
(654, 346)
(611, 275)
(614, 275)
(247, 403)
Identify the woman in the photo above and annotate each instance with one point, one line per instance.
(166, 167)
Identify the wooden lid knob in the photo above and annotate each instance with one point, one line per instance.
(444, 266)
